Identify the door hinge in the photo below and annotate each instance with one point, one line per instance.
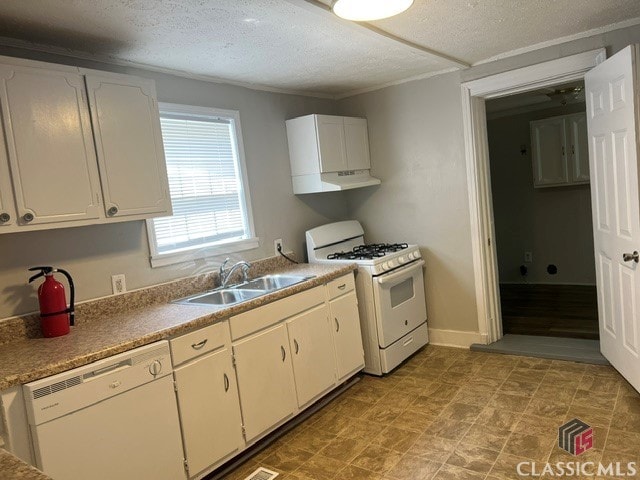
(175, 386)
(186, 466)
(489, 241)
(233, 361)
(244, 432)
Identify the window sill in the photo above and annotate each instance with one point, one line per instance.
(162, 260)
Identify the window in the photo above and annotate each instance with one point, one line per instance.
(205, 166)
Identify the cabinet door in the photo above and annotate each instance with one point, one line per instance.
(51, 153)
(7, 206)
(126, 124)
(548, 141)
(346, 334)
(265, 380)
(578, 148)
(314, 365)
(333, 157)
(356, 142)
(209, 410)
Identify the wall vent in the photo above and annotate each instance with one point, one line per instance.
(262, 474)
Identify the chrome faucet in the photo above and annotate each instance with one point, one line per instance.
(225, 274)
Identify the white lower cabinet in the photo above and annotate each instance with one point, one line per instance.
(207, 396)
(347, 336)
(311, 345)
(209, 410)
(265, 380)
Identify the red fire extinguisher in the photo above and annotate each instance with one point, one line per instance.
(55, 316)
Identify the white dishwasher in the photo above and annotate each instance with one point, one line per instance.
(116, 418)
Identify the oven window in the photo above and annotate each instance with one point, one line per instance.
(402, 292)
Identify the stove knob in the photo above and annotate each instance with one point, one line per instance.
(412, 256)
(401, 260)
(385, 266)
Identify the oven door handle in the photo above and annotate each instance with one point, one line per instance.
(390, 277)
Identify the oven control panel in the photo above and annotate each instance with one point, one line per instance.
(408, 255)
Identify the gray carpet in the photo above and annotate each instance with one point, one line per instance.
(556, 348)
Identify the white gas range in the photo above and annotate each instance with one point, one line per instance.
(389, 287)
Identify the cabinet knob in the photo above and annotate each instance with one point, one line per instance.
(4, 217)
(112, 211)
(27, 217)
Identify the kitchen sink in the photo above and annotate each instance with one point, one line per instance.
(273, 282)
(224, 297)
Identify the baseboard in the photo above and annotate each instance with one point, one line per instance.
(455, 338)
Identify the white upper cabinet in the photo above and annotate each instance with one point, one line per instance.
(331, 143)
(49, 146)
(50, 176)
(329, 153)
(559, 151)
(356, 141)
(126, 124)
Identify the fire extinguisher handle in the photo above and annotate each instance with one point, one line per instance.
(72, 294)
(43, 271)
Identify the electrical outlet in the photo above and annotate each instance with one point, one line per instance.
(277, 245)
(528, 257)
(118, 284)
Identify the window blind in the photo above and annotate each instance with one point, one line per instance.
(204, 181)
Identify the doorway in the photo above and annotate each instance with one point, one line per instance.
(474, 95)
(540, 185)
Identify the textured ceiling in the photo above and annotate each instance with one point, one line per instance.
(297, 45)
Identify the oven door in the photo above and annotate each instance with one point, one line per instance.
(399, 302)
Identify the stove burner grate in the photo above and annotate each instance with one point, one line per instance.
(368, 252)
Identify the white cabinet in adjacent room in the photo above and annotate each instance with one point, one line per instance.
(312, 353)
(560, 154)
(128, 139)
(49, 144)
(265, 380)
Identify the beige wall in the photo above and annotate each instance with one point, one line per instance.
(552, 223)
(417, 149)
(93, 254)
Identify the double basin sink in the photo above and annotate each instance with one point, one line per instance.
(224, 297)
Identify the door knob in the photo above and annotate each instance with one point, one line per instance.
(627, 257)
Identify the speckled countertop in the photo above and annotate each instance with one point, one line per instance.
(98, 335)
(13, 467)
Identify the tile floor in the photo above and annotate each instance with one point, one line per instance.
(454, 414)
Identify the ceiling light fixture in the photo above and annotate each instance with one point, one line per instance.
(367, 10)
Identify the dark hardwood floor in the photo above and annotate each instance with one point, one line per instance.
(550, 310)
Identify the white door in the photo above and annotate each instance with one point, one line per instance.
(330, 129)
(265, 380)
(613, 152)
(47, 130)
(128, 140)
(346, 334)
(314, 365)
(356, 141)
(209, 410)
(548, 140)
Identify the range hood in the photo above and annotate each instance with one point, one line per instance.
(333, 181)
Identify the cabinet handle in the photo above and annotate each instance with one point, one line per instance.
(573, 149)
(295, 343)
(4, 217)
(337, 324)
(563, 150)
(199, 345)
(27, 217)
(112, 211)
(342, 287)
(226, 382)
(284, 353)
